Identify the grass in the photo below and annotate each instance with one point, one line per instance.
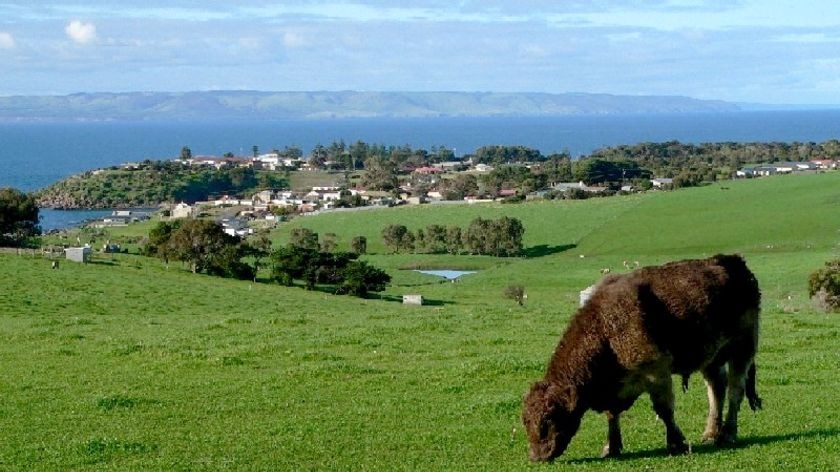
(124, 365)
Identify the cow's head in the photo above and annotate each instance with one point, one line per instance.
(550, 420)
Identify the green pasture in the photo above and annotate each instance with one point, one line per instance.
(123, 364)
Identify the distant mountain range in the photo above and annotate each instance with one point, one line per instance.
(225, 105)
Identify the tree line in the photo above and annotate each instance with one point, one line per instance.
(206, 248)
(500, 237)
(527, 169)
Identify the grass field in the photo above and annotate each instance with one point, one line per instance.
(124, 365)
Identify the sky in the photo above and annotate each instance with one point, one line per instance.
(767, 51)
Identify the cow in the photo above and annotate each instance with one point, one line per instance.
(635, 332)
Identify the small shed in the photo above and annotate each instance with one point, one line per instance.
(78, 254)
(412, 299)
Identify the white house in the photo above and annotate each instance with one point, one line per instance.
(662, 182)
(182, 210)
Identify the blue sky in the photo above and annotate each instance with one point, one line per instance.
(739, 50)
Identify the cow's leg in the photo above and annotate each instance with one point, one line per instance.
(738, 368)
(715, 377)
(662, 396)
(614, 443)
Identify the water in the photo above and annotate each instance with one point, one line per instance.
(60, 219)
(34, 155)
(448, 274)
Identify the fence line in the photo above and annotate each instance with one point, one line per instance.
(18, 251)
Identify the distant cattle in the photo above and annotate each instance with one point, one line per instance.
(637, 330)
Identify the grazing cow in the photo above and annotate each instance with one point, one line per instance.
(637, 330)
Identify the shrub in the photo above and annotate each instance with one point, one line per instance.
(824, 286)
(516, 293)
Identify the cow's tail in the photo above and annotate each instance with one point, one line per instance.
(752, 395)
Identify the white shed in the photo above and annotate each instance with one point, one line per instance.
(78, 254)
(412, 299)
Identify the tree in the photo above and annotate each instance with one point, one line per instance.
(435, 239)
(329, 243)
(824, 286)
(461, 186)
(360, 278)
(380, 174)
(258, 248)
(158, 241)
(398, 238)
(186, 153)
(319, 156)
(515, 293)
(454, 243)
(479, 236)
(198, 242)
(510, 232)
(304, 238)
(295, 262)
(18, 218)
(359, 245)
(558, 168)
(501, 238)
(205, 246)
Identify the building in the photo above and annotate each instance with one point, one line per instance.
(78, 254)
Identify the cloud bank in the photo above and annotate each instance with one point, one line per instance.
(746, 50)
(7, 41)
(81, 32)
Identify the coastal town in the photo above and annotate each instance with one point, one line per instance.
(273, 205)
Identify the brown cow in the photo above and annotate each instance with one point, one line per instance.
(637, 330)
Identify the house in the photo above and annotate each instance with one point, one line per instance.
(219, 162)
(415, 200)
(236, 227)
(181, 210)
(776, 168)
(662, 182)
(428, 170)
(78, 254)
(450, 166)
(564, 186)
(483, 167)
(825, 164)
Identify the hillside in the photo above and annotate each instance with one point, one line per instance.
(251, 105)
(126, 365)
(151, 183)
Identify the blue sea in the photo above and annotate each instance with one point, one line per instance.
(33, 155)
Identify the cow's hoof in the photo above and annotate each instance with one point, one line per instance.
(725, 440)
(710, 437)
(679, 448)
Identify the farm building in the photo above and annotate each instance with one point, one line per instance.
(78, 254)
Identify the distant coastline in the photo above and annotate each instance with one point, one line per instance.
(250, 105)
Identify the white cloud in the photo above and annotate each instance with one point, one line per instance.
(81, 32)
(7, 41)
(293, 40)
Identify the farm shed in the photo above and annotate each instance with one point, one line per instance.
(78, 254)
(412, 299)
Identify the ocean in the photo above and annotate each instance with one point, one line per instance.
(33, 155)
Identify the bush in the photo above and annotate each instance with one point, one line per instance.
(824, 286)
(516, 293)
